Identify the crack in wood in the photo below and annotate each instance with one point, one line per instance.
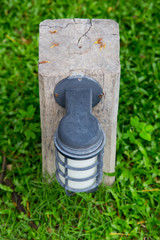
(85, 34)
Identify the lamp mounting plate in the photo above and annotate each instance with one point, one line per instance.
(78, 82)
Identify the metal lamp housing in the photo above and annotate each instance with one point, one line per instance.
(79, 138)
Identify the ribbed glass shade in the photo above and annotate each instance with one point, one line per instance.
(79, 175)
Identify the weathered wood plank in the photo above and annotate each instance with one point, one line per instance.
(79, 47)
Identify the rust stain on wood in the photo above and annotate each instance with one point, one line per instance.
(53, 32)
(99, 41)
(44, 62)
(54, 45)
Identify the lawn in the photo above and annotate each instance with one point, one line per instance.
(130, 209)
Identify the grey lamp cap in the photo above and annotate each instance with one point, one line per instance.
(79, 135)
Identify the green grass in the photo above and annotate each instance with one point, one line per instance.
(123, 208)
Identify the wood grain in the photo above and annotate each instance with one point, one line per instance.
(83, 47)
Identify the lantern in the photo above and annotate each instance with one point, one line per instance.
(79, 138)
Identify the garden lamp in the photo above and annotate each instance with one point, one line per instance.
(79, 138)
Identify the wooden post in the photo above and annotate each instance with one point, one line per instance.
(79, 47)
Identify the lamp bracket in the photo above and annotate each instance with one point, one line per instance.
(78, 82)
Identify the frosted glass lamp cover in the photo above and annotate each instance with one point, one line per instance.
(79, 174)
